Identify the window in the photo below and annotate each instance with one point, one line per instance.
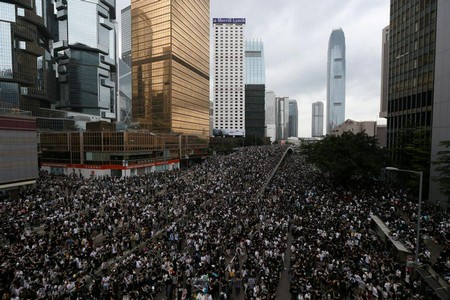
(20, 12)
(7, 12)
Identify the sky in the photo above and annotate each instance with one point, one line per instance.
(295, 34)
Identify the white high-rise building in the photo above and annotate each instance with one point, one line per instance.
(229, 81)
(270, 120)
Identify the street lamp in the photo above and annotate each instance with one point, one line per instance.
(420, 173)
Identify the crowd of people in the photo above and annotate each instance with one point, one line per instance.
(118, 237)
(208, 232)
(335, 253)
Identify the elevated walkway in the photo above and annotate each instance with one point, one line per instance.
(398, 249)
(440, 287)
(436, 282)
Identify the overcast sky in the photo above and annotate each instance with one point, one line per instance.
(295, 34)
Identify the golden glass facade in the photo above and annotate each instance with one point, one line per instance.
(170, 50)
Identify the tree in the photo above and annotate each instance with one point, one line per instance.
(417, 156)
(412, 151)
(443, 167)
(347, 156)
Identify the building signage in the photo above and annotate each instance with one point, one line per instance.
(229, 20)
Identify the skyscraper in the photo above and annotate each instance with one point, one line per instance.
(125, 33)
(441, 103)
(255, 88)
(270, 120)
(255, 68)
(317, 119)
(124, 97)
(170, 55)
(86, 55)
(336, 79)
(282, 118)
(411, 75)
(384, 73)
(27, 80)
(124, 103)
(419, 78)
(229, 84)
(293, 118)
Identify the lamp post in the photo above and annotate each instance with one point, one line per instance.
(420, 173)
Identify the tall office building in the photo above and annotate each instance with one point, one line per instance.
(229, 83)
(86, 53)
(125, 33)
(270, 120)
(317, 119)
(255, 68)
(441, 103)
(282, 118)
(384, 73)
(124, 102)
(336, 79)
(124, 97)
(412, 43)
(255, 88)
(170, 54)
(293, 118)
(27, 80)
(419, 78)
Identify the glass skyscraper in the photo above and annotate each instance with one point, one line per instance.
(282, 118)
(317, 119)
(255, 88)
(293, 118)
(170, 56)
(125, 94)
(441, 103)
(86, 54)
(27, 81)
(418, 81)
(336, 80)
(125, 33)
(124, 102)
(270, 120)
(255, 69)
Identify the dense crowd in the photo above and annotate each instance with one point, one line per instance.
(112, 237)
(209, 232)
(335, 253)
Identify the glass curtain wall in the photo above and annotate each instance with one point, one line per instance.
(170, 50)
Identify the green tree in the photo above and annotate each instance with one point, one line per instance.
(412, 151)
(417, 154)
(347, 156)
(443, 167)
